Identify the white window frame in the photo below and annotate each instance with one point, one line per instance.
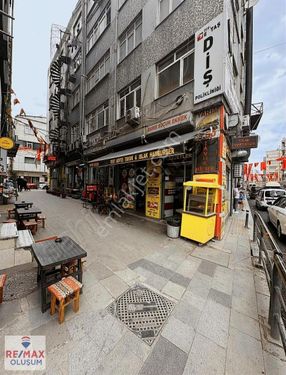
(93, 118)
(132, 29)
(171, 9)
(92, 81)
(123, 98)
(181, 59)
(98, 29)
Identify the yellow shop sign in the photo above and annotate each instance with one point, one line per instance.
(6, 143)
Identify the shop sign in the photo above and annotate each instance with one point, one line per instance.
(207, 157)
(173, 121)
(155, 154)
(208, 117)
(52, 158)
(6, 143)
(153, 191)
(244, 142)
(209, 60)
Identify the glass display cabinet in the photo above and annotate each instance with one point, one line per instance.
(199, 212)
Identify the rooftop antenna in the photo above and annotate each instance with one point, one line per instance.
(55, 38)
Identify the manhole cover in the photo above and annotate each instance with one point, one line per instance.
(143, 311)
(19, 284)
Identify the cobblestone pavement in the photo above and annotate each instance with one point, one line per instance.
(218, 324)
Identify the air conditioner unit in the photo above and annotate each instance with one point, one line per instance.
(245, 121)
(133, 116)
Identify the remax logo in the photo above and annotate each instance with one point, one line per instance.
(25, 353)
(26, 341)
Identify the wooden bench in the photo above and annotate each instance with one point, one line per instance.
(64, 292)
(42, 219)
(32, 225)
(2, 283)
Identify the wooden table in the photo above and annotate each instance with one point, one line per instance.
(51, 254)
(23, 204)
(30, 213)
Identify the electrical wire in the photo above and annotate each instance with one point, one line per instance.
(267, 48)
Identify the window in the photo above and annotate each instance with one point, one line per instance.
(176, 69)
(102, 23)
(98, 72)
(98, 118)
(130, 38)
(77, 62)
(166, 7)
(76, 97)
(28, 160)
(29, 145)
(129, 97)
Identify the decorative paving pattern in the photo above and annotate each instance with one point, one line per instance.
(20, 284)
(143, 311)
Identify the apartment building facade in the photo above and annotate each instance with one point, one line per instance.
(28, 162)
(6, 44)
(133, 81)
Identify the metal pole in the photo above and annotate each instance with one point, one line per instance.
(246, 219)
(275, 306)
(6, 15)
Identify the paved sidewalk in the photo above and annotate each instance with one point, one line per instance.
(218, 324)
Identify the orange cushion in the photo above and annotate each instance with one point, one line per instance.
(3, 279)
(74, 284)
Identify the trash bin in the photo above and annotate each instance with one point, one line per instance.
(173, 227)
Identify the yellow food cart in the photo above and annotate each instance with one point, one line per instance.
(199, 213)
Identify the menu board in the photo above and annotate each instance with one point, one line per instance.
(153, 191)
(207, 158)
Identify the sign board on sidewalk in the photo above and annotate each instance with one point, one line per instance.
(209, 60)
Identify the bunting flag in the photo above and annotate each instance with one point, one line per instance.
(269, 162)
(249, 168)
(22, 112)
(256, 165)
(263, 165)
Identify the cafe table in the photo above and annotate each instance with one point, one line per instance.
(27, 213)
(23, 204)
(50, 256)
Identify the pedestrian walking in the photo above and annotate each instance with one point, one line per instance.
(241, 200)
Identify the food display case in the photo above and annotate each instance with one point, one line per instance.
(199, 212)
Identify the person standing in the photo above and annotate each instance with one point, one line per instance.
(235, 198)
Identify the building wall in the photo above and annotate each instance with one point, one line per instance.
(24, 163)
(158, 40)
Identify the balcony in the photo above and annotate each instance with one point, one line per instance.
(256, 115)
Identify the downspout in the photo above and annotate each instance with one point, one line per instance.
(249, 60)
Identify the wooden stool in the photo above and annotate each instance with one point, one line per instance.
(65, 291)
(32, 225)
(2, 283)
(42, 218)
(11, 213)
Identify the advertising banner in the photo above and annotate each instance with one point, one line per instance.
(153, 191)
(209, 60)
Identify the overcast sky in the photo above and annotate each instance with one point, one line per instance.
(32, 55)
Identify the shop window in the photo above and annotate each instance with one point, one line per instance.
(98, 72)
(200, 201)
(130, 38)
(98, 118)
(166, 7)
(129, 97)
(28, 160)
(176, 69)
(100, 26)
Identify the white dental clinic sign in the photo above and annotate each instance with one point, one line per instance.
(209, 60)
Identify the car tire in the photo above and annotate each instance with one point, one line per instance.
(279, 231)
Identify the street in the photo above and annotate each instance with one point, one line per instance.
(264, 215)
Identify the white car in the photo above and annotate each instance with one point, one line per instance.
(267, 196)
(277, 216)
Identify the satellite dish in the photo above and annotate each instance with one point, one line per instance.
(250, 3)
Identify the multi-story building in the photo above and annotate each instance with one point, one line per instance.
(273, 170)
(134, 80)
(28, 162)
(6, 35)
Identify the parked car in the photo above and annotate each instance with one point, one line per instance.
(253, 192)
(277, 216)
(267, 196)
(43, 185)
